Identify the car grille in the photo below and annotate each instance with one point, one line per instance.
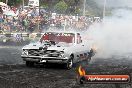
(52, 53)
(46, 53)
(35, 52)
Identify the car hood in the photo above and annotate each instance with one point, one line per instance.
(59, 47)
(36, 45)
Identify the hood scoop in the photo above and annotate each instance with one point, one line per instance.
(58, 46)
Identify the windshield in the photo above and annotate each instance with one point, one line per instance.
(59, 37)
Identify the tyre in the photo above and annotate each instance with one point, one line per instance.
(85, 61)
(88, 59)
(69, 64)
(29, 64)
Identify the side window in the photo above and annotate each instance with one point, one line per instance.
(78, 38)
(73, 40)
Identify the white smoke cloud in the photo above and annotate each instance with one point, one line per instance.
(114, 35)
(115, 3)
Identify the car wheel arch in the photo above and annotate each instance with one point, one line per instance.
(72, 56)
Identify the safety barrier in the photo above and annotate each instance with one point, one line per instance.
(22, 34)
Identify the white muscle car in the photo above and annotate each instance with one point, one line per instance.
(66, 48)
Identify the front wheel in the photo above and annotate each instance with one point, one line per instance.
(69, 64)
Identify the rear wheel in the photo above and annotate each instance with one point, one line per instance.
(29, 64)
(88, 59)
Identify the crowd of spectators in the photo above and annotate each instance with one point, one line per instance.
(34, 20)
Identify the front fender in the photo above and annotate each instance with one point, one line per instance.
(67, 54)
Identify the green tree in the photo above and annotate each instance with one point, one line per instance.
(3, 1)
(61, 7)
(14, 2)
(44, 5)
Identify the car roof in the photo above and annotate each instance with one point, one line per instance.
(72, 32)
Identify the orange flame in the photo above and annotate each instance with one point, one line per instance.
(81, 71)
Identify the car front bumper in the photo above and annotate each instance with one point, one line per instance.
(42, 59)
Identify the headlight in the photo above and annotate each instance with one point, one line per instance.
(25, 52)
